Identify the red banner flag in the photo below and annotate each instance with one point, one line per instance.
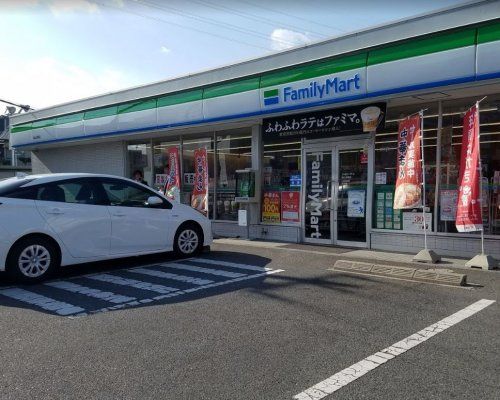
(469, 217)
(173, 184)
(409, 168)
(199, 199)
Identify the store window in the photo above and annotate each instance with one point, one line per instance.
(384, 216)
(161, 167)
(451, 142)
(5, 154)
(281, 182)
(234, 152)
(139, 157)
(188, 170)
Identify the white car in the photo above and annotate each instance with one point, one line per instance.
(47, 221)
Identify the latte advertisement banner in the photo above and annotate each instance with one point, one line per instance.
(199, 199)
(271, 208)
(325, 124)
(408, 192)
(469, 216)
(173, 182)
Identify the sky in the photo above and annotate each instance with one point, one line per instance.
(55, 51)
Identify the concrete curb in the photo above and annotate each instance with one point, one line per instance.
(414, 274)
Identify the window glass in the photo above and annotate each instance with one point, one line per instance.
(5, 154)
(139, 159)
(451, 144)
(188, 168)
(386, 139)
(281, 174)
(123, 194)
(74, 191)
(11, 185)
(234, 152)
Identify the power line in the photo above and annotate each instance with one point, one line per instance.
(292, 16)
(179, 25)
(253, 17)
(211, 21)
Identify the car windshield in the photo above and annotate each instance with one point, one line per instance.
(8, 185)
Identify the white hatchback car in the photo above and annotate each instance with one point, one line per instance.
(63, 219)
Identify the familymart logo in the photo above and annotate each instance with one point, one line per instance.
(314, 90)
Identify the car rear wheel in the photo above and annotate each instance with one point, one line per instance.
(32, 259)
(188, 240)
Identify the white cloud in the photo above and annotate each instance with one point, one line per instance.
(282, 39)
(165, 50)
(46, 81)
(61, 7)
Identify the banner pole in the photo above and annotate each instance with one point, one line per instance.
(480, 174)
(423, 175)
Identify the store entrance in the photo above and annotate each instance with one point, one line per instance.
(336, 193)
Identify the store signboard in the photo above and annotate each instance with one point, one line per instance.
(356, 203)
(324, 124)
(271, 207)
(414, 221)
(448, 205)
(408, 192)
(290, 206)
(199, 199)
(469, 216)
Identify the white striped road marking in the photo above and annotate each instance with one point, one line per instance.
(209, 271)
(90, 292)
(43, 302)
(117, 280)
(168, 275)
(346, 376)
(231, 264)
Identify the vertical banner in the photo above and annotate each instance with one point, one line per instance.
(199, 199)
(469, 204)
(173, 184)
(408, 192)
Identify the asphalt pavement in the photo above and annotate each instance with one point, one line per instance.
(242, 322)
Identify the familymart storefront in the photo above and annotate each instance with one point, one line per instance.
(306, 141)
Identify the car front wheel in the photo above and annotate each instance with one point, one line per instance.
(188, 240)
(32, 259)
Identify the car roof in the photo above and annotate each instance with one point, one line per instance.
(43, 178)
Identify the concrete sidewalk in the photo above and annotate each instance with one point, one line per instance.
(350, 253)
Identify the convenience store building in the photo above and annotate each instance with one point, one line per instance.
(318, 125)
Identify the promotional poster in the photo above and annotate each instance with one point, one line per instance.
(199, 199)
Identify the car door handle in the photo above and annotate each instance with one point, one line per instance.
(55, 211)
(119, 214)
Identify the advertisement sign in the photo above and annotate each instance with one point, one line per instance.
(448, 205)
(271, 207)
(199, 199)
(409, 168)
(413, 221)
(327, 123)
(290, 206)
(173, 183)
(317, 199)
(356, 203)
(161, 180)
(380, 178)
(468, 217)
(188, 178)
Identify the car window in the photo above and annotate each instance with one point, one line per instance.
(75, 191)
(125, 194)
(13, 188)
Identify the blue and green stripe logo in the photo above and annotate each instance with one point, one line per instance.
(271, 97)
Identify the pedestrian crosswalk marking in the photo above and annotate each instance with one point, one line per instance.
(46, 303)
(86, 291)
(74, 308)
(230, 264)
(210, 271)
(118, 280)
(168, 275)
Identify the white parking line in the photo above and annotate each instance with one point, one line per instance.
(168, 275)
(90, 292)
(209, 271)
(346, 376)
(231, 264)
(46, 303)
(118, 280)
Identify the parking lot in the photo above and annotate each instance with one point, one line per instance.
(245, 323)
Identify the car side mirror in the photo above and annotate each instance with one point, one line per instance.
(154, 201)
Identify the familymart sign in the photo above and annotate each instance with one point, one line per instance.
(330, 87)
